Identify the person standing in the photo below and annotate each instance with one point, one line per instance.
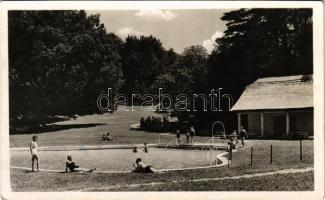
(33, 150)
(178, 136)
(192, 133)
(187, 136)
(243, 135)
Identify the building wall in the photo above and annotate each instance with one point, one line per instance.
(304, 122)
(269, 128)
(254, 124)
(275, 122)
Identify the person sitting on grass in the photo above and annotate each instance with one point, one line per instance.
(140, 167)
(107, 137)
(33, 150)
(73, 167)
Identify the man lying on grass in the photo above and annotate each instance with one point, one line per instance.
(75, 168)
(140, 167)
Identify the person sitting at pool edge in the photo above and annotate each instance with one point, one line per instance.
(73, 167)
(140, 167)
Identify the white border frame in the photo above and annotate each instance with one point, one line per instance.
(318, 49)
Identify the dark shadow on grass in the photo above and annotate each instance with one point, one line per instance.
(55, 127)
(29, 171)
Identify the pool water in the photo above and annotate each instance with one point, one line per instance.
(115, 159)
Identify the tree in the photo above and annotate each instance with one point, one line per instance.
(186, 75)
(142, 61)
(59, 62)
(259, 43)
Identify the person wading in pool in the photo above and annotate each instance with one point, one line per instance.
(135, 149)
(140, 167)
(73, 167)
(145, 149)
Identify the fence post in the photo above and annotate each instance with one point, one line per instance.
(300, 150)
(271, 152)
(229, 154)
(251, 156)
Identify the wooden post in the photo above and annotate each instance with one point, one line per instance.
(229, 154)
(210, 156)
(271, 155)
(300, 150)
(287, 123)
(251, 156)
(262, 124)
(239, 122)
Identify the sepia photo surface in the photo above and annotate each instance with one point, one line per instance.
(212, 100)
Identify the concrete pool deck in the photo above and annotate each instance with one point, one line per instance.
(221, 157)
(218, 158)
(219, 146)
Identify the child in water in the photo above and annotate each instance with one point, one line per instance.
(145, 148)
(135, 149)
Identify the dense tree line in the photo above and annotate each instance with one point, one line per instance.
(60, 61)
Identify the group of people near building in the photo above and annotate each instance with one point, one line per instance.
(156, 124)
(233, 138)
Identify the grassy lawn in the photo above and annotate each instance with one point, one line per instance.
(51, 181)
(286, 182)
(285, 155)
(88, 130)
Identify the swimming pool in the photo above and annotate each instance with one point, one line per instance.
(115, 160)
